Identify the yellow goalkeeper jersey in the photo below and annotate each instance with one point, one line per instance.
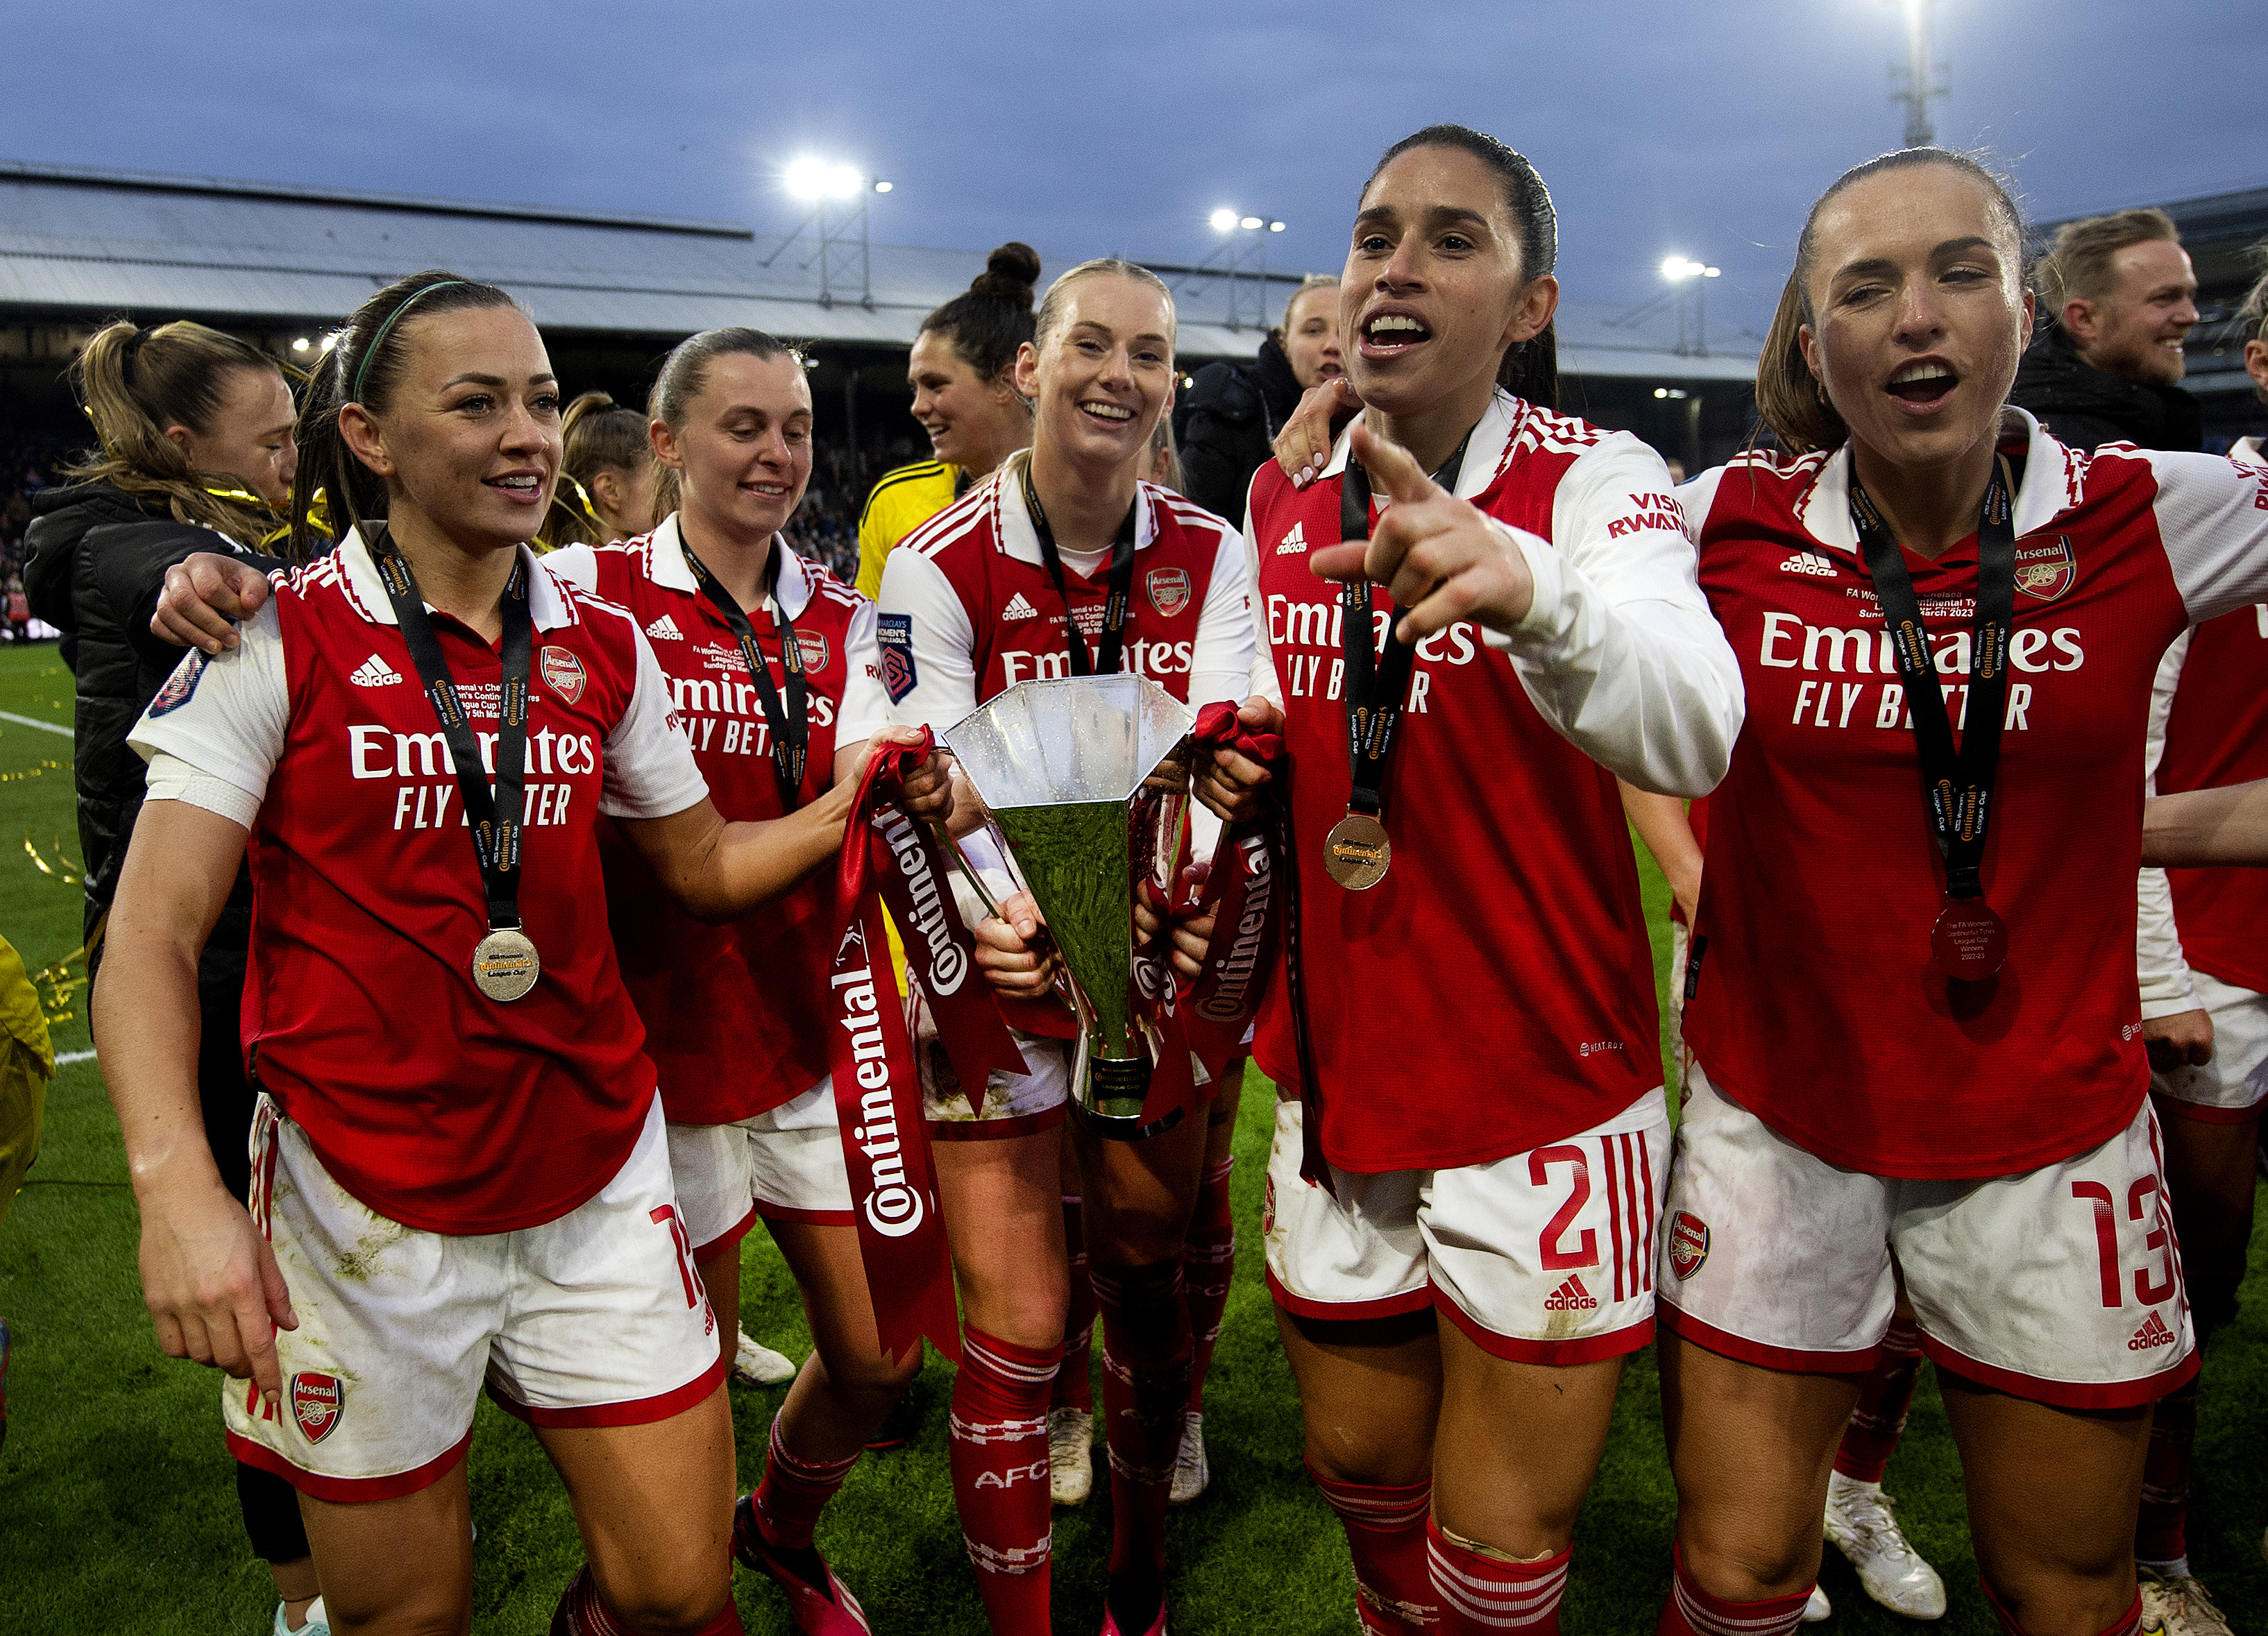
(903, 500)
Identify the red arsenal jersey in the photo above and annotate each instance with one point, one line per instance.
(732, 1015)
(1815, 1006)
(1495, 992)
(968, 610)
(2217, 733)
(432, 1104)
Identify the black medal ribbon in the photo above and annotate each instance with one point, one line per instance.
(1377, 684)
(791, 722)
(1958, 784)
(1109, 657)
(494, 817)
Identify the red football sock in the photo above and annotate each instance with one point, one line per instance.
(2128, 1624)
(1208, 1265)
(582, 1611)
(999, 1458)
(1074, 1389)
(2161, 1534)
(795, 1491)
(1145, 1381)
(1386, 1536)
(1692, 1611)
(1483, 1592)
(1876, 1423)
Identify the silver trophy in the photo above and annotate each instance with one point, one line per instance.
(1087, 781)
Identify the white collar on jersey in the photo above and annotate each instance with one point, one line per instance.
(670, 571)
(2045, 492)
(366, 591)
(1021, 540)
(1483, 455)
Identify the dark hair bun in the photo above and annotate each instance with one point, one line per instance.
(1013, 271)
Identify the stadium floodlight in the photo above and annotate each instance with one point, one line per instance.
(1678, 268)
(301, 344)
(881, 187)
(813, 179)
(1275, 227)
(1224, 221)
(1249, 222)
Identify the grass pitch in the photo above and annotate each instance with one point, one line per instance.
(118, 1510)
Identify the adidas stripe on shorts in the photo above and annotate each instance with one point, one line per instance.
(1545, 1256)
(2061, 1285)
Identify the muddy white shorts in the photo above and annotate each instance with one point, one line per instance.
(1546, 1256)
(594, 1319)
(2061, 1285)
(2229, 1088)
(785, 1164)
(1013, 1105)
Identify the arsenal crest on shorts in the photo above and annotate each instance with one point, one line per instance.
(1169, 591)
(2045, 567)
(1688, 1243)
(564, 672)
(316, 1403)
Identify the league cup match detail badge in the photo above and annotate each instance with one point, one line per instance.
(1689, 1245)
(2045, 567)
(317, 1401)
(1169, 591)
(564, 672)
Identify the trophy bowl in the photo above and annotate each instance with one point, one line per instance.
(1086, 778)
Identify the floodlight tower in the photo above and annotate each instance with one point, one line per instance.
(1920, 80)
(844, 246)
(1244, 255)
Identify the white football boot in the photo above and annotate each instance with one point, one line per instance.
(1859, 1523)
(1070, 1456)
(1190, 1471)
(759, 1365)
(2176, 1604)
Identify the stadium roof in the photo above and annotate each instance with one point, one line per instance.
(88, 244)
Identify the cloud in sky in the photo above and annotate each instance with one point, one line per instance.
(1700, 129)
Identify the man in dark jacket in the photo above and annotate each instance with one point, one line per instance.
(2117, 297)
(1227, 424)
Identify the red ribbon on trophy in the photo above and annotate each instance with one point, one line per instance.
(890, 856)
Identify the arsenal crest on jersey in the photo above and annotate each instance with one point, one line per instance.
(1688, 1243)
(317, 1401)
(564, 672)
(812, 645)
(1169, 591)
(2045, 567)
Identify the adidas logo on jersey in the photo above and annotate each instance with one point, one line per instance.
(1809, 562)
(1293, 543)
(664, 629)
(374, 672)
(1018, 608)
(1571, 1297)
(2153, 1333)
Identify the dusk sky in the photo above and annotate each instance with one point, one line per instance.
(1701, 129)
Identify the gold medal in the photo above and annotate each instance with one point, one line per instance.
(505, 964)
(1357, 852)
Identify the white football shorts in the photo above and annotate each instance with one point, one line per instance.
(594, 1319)
(785, 1164)
(2229, 1088)
(1545, 1256)
(2060, 1285)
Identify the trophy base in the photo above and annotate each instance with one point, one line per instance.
(1109, 1104)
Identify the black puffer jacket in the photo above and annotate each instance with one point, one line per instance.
(2086, 407)
(98, 561)
(1234, 412)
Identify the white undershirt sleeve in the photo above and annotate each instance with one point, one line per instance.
(1220, 665)
(650, 772)
(2159, 966)
(1263, 681)
(223, 718)
(1619, 651)
(172, 779)
(944, 642)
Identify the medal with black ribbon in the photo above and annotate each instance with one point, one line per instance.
(1357, 853)
(790, 722)
(1970, 941)
(505, 964)
(1110, 642)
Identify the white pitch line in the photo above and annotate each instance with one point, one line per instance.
(74, 1056)
(32, 721)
